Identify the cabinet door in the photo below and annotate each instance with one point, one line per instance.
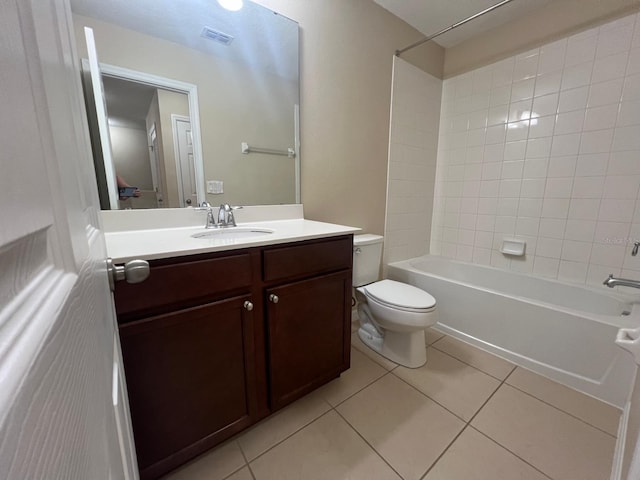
(309, 335)
(190, 377)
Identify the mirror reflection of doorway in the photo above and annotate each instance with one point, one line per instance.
(142, 141)
(185, 167)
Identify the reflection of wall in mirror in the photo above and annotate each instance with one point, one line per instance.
(237, 105)
(130, 158)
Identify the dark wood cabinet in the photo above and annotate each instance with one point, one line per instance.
(213, 343)
(307, 332)
(190, 381)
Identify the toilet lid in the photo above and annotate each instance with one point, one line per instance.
(400, 295)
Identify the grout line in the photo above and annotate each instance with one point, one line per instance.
(367, 442)
(512, 453)
(289, 436)
(467, 424)
(532, 395)
(424, 475)
(432, 399)
(386, 372)
(331, 407)
(374, 361)
(246, 461)
(489, 398)
(473, 366)
(523, 391)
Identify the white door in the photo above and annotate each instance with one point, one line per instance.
(183, 146)
(156, 173)
(63, 407)
(102, 118)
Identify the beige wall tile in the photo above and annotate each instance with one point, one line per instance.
(586, 408)
(408, 429)
(475, 456)
(327, 449)
(559, 445)
(458, 387)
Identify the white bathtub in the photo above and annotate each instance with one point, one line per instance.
(562, 331)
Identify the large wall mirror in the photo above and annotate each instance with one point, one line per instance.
(157, 56)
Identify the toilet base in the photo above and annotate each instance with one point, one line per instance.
(406, 349)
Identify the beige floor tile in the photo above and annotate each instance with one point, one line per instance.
(474, 456)
(328, 449)
(561, 446)
(488, 363)
(213, 465)
(362, 372)
(432, 336)
(280, 425)
(358, 344)
(407, 429)
(455, 385)
(586, 408)
(243, 474)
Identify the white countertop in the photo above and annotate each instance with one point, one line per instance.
(154, 243)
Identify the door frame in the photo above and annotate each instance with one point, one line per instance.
(190, 89)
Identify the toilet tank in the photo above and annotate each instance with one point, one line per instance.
(367, 255)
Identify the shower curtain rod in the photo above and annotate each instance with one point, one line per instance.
(451, 27)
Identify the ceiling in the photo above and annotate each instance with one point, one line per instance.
(431, 16)
(262, 39)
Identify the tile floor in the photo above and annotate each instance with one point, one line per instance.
(465, 415)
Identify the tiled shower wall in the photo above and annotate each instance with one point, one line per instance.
(545, 147)
(415, 115)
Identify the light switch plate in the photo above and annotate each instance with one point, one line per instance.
(215, 186)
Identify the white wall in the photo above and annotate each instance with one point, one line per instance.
(415, 115)
(131, 154)
(566, 181)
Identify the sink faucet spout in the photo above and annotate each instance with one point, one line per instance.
(225, 215)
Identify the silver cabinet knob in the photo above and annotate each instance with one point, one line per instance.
(134, 271)
(273, 298)
(248, 306)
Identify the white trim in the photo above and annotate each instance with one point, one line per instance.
(189, 89)
(296, 146)
(618, 456)
(95, 72)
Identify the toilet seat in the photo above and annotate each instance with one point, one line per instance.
(400, 296)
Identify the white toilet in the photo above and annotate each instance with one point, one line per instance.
(393, 315)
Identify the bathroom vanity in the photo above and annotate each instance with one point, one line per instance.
(216, 340)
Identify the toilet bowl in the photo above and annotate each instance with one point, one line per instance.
(393, 315)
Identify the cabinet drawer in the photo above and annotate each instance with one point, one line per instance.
(179, 284)
(307, 259)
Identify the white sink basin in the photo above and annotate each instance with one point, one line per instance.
(233, 233)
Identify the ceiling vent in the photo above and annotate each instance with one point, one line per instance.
(216, 35)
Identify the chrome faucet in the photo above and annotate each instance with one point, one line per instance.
(211, 219)
(225, 215)
(622, 282)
